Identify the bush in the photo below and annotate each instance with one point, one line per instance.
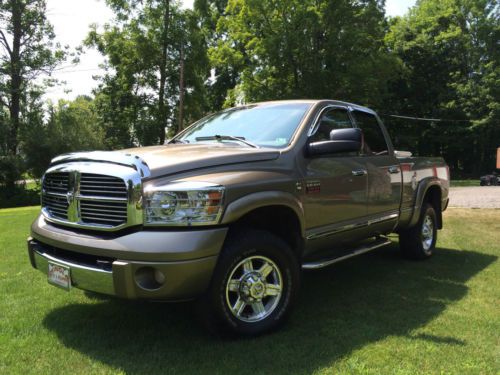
(19, 196)
(11, 169)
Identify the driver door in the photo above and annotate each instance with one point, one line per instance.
(335, 196)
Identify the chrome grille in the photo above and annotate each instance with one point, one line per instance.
(55, 188)
(112, 211)
(94, 190)
(107, 213)
(103, 186)
(85, 199)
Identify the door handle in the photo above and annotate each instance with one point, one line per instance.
(393, 169)
(359, 172)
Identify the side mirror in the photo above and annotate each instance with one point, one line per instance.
(341, 140)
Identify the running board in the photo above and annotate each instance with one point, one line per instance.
(358, 251)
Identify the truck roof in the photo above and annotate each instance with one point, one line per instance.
(319, 101)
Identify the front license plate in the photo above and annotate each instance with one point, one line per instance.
(59, 276)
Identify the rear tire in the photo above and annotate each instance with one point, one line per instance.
(419, 241)
(253, 287)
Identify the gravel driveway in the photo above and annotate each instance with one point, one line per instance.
(475, 197)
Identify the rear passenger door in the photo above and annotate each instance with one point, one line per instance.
(384, 175)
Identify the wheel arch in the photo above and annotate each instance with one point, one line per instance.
(428, 191)
(280, 213)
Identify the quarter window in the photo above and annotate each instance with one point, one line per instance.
(335, 118)
(375, 143)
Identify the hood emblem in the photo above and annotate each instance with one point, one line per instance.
(70, 196)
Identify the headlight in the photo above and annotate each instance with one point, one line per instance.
(183, 203)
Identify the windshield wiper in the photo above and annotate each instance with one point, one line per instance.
(218, 137)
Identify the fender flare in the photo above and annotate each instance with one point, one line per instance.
(422, 189)
(242, 206)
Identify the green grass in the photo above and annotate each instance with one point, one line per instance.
(457, 183)
(375, 314)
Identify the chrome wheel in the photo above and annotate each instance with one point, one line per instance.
(427, 232)
(254, 289)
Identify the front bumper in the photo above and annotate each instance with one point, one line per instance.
(172, 265)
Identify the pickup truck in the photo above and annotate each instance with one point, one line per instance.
(233, 208)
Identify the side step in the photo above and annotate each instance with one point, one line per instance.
(360, 250)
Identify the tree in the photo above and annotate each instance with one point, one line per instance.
(140, 91)
(305, 48)
(71, 126)
(26, 39)
(226, 76)
(450, 53)
(27, 50)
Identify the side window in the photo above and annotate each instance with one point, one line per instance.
(375, 143)
(335, 118)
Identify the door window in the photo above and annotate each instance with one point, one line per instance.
(331, 119)
(375, 143)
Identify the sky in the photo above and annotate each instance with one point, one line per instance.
(71, 20)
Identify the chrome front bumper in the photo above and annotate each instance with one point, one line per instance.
(131, 279)
(109, 267)
(83, 277)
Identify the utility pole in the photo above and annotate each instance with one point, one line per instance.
(181, 89)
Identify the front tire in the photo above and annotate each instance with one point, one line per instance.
(254, 285)
(419, 242)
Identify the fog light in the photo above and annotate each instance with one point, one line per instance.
(149, 278)
(159, 277)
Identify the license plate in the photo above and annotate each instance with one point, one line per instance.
(59, 276)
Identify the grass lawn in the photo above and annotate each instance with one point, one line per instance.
(375, 314)
(456, 183)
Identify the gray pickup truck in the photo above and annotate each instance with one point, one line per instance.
(231, 209)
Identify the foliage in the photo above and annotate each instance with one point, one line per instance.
(440, 60)
(450, 53)
(72, 126)
(224, 79)
(27, 50)
(138, 95)
(21, 195)
(11, 168)
(312, 49)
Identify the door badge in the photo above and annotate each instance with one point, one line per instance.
(313, 187)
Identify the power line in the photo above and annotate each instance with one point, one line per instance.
(76, 70)
(425, 118)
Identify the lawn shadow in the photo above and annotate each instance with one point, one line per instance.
(341, 308)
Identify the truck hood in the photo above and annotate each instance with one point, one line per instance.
(176, 158)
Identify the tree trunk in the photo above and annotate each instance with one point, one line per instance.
(162, 108)
(15, 77)
(181, 89)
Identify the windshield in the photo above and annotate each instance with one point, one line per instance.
(266, 125)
